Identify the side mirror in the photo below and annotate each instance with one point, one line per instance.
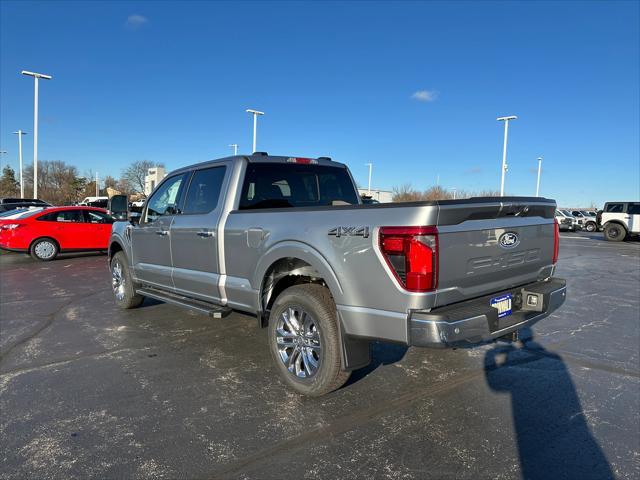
(118, 207)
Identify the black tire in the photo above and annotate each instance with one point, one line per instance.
(590, 227)
(44, 249)
(316, 302)
(614, 232)
(123, 287)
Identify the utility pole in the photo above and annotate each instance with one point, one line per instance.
(20, 133)
(504, 149)
(97, 186)
(36, 76)
(370, 165)
(539, 171)
(255, 125)
(235, 148)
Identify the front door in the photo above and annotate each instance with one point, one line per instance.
(194, 236)
(151, 239)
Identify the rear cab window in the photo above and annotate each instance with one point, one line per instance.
(285, 185)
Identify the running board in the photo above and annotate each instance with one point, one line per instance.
(215, 311)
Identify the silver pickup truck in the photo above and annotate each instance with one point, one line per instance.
(288, 240)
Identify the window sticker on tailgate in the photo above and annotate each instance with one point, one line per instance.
(502, 304)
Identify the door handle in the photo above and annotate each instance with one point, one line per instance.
(162, 233)
(206, 233)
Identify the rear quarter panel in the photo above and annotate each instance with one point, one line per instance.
(359, 276)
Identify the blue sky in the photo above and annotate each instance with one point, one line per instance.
(169, 82)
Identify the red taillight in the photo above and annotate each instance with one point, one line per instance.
(303, 161)
(412, 255)
(11, 226)
(556, 241)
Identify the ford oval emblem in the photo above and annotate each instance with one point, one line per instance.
(509, 240)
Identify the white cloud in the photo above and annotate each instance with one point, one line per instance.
(425, 95)
(136, 21)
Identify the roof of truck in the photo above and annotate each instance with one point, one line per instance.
(262, 157)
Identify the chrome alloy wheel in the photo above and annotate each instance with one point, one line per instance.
(45, 249)
(298, 342)
(117, 280)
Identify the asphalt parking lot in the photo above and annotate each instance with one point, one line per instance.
(87, 390)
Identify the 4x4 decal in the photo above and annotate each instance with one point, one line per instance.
(350, 232)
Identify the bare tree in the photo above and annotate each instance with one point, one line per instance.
(134, 175)
(406, 193)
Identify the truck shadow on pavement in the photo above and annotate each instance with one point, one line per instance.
(381, 354)
(554, 440)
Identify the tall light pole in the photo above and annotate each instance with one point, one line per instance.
(255, 125)
(235, 148)
(539, 170)
(36, 76)
(370, 165)
(97, 186)
(504, 149)
(20, 133)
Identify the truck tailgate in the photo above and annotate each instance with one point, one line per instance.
(489, 246)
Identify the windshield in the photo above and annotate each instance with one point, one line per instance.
(282, 185)
(567, 213)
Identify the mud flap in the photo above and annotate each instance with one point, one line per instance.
(356, 352)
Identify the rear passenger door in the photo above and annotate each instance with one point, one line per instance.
(633, 211)
(194, 235)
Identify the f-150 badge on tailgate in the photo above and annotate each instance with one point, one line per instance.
(350, 232)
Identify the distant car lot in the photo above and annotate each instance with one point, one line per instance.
(89, 390)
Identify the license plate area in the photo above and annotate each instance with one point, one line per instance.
(503, 304)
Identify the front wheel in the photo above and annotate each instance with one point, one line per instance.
(122, 284)
(304, 340)
(614, 232)
(590, 227)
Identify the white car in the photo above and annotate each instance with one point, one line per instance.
(587, 221)
(576, 224)
(564, 223)
(620, 219)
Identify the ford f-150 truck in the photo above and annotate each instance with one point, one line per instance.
(288, 240)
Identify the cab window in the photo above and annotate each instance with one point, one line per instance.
(204, 190)
(634, 209)
(166, 199)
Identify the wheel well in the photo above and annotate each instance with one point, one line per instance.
(617, 222)
(281, 275)
(43, 238)
(114, 248)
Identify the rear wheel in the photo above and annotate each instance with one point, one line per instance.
(614, 232)
(44, 249)
(122, 284)
(304, 340)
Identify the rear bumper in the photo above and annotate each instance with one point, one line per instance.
(475, 321)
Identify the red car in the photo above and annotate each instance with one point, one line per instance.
(45, 233)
